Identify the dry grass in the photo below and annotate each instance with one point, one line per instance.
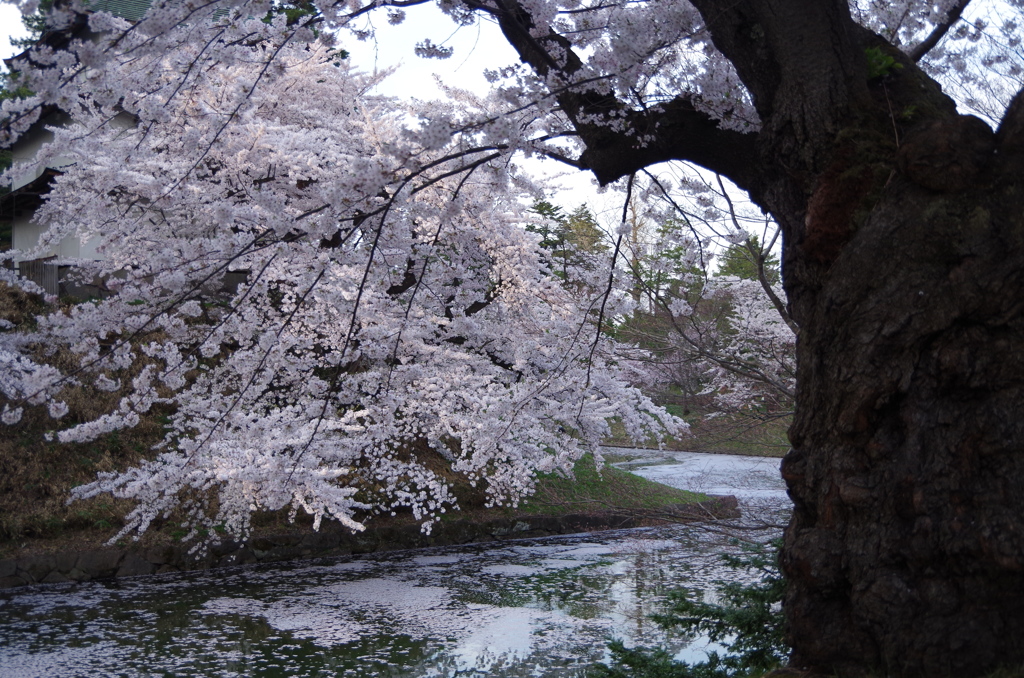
(752, 434)
(19, 307)
(36, 476)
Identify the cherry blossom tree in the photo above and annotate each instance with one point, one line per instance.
(902, 252)
(703, 323)
(330, 303)
(723, 342)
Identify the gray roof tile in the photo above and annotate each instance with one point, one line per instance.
(132, 10)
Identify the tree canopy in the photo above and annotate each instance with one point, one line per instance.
(384, 263)
(330, 304)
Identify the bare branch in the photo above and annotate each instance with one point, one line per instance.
(611, 280)
(759, 256)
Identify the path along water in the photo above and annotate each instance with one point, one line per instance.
(539, 608)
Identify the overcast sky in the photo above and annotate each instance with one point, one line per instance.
(10, 25)
(476, 48)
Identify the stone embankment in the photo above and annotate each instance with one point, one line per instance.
(106, 563)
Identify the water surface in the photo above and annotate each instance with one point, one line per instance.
(543, 607)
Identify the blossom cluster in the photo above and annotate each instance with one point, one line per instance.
(333, 307)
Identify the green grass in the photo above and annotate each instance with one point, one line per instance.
(753, 434)
(602, 490)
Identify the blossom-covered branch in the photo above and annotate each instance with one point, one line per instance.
(326, 300)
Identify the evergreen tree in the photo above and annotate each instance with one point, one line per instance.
(745, 260)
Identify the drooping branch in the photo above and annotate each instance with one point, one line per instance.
(611, 276)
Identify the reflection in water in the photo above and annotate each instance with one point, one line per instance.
(530, 608)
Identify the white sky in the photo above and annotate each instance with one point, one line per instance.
(477, 48)
(10, 25)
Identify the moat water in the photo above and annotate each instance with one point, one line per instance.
(539, 608)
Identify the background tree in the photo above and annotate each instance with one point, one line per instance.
(551, 227)
(747, 260)
(717, 342)
(574, 241)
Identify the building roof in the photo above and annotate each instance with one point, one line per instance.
(131, 10)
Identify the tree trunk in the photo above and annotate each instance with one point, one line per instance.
(905, 553)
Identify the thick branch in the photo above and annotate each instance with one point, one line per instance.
(408, 280)
(1010, 135)
(790, 51)
(769, 291)
(939, 31)
(803, 63)
(676, 131)
(673, 131)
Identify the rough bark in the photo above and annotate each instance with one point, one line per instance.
(906, 548)
(905, 271)
(904, 268)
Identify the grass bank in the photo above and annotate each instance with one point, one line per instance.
(37, 478)
(605, 489)
(755, 434)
